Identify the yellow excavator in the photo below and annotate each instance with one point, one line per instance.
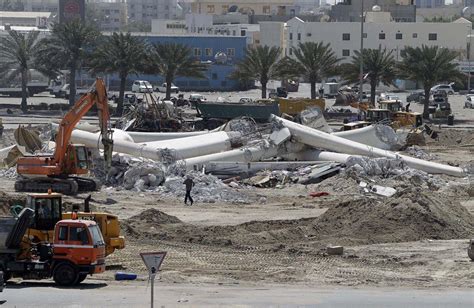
(47, 209)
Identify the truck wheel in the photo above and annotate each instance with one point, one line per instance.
(65, 275)
(82, 277)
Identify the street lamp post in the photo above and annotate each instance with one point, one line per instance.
(361, 77)
(468, 8)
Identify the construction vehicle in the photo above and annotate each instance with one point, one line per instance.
(48, 211)
(39, 173)
(392, 112)
(76, 251)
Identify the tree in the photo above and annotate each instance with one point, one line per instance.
(17, 54)
(428, 65)
(262, 63)
(172, 60)
(68, 46)
(314, 61)
(379, 67)
(120, 53)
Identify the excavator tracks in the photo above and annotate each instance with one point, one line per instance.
(66, 186)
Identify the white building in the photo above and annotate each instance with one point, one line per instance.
(205, 25)
(344, 37)
(144, 11)
(27, 19)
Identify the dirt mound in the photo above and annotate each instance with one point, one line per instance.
(450, 137)
(7, 200)
(153, 217)
(407, 216)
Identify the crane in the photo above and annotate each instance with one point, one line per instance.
(57, 172)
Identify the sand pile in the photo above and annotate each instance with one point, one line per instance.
(407, 216)
(153, 217)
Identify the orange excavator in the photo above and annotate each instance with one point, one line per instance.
(58, 172)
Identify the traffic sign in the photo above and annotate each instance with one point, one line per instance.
(153, 261)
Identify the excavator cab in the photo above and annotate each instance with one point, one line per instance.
(77, 159)
(47, 208)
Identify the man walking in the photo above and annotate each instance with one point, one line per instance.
(189, 185)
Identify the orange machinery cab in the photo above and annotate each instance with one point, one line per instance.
(79, 242)
(77, 162)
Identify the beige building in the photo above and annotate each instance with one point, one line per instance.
(251, 7)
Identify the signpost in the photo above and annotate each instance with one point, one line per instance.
(152, 262)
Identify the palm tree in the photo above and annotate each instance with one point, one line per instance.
(68, 46)
(314, 61)
(261, 63)
(428, 65)
(17, 54)
(379, 67)
(120, 53)
(172, 60)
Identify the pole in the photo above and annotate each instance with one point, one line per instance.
(361, 77)
(152, 292)
(469, 51)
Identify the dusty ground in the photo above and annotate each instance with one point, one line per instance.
(417, 238)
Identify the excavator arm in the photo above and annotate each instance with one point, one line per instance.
(96, 96)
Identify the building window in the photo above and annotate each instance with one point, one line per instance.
(234, 33)
(415, 35)
(299, 36)
(197, 52)
(243, 33)
(308, 34)
(291, 51)
(346, 36)
(291, 36)
(231, 52)
(364, 35)
(346, 53)
(214, 76)
(266, 9)
(208, 52)
(211, 9)
(225, 8)
(381, 36)
(432, 36)
(398, 36)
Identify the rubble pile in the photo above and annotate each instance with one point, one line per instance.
(134, 173)
(418, 152)
(207, 189)
(304, 175)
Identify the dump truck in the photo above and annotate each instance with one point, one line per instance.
(49, 205)
(77, 250)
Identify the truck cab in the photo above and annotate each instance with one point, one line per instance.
(78, 250)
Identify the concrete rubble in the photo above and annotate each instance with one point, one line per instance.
(275, 154)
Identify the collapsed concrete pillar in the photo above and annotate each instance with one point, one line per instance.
(169, 150)
(321, 140)
(140, 137)
(379, 136)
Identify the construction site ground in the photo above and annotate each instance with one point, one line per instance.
(280, 239)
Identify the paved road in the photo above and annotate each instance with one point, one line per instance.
(137, 294)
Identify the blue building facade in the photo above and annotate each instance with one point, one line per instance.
(204, 49)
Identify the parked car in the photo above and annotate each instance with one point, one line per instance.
(448, 88)
(142, 86)
(469, 103)
(162, 88)
(416, 96)
(65, 90)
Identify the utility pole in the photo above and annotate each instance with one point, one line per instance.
(361, 77)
